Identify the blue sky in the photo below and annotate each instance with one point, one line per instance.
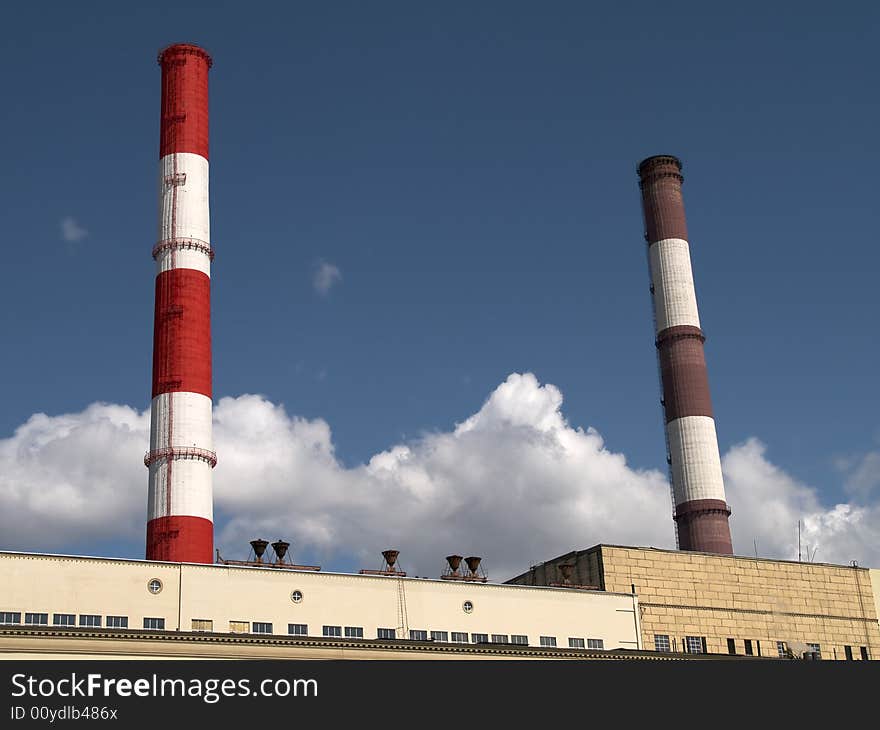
(469, 169)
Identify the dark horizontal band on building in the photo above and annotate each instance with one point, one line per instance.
(662, 203)
(678, 332)
(683, 373)
(188, 637)
(182, 332)
(701, 506)
(703, 525)
(757, 611)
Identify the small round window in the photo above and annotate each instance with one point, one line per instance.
(154, 586)
(467, 607)
(296, 596)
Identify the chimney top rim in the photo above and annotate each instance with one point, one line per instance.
(654, 160)
(176, 49)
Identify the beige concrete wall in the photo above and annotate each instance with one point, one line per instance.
(874, 574)
(720, 597)
(372, 602)
(54, 584)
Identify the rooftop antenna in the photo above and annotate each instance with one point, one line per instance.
(799, 541)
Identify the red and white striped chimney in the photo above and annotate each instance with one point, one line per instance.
(180, 517)
(700, 511)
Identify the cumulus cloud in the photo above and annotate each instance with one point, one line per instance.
(72, 477)
(864, 476)
(326, 275)
(767, 504)
(71, 231)
(514, 482)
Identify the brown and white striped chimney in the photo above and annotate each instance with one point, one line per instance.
(700, 510)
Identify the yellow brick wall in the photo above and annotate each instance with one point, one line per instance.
(720, 597)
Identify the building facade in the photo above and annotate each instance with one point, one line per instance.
(724, 604)
(61, 605)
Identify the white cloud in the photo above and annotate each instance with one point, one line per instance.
(864, 475)
(767, 504)
(326, 275)
(71, 477)
(514, 483)
(71, 231)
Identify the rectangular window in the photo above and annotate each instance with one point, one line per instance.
(63, 619)
(354, 632)
(661, 642)
(848, 651)
(202, 624)
(262, 627)
(864, 652)
(239, 627)
(36, 619)
(780, 649)
(731, 646)
(815, 648)
(758, 646)
(480, 638)
(695, 644)
(298, 629)
(332, 631)
(10, 617)
(86, 619)
(548, 641)
(460, 637)
(748, 645)
(117, 622)
(418, 635)
(386, 633)
(154, 623)
(519, 639)
(499, 639)
(439, 636)
(576, 643)
(595, 644)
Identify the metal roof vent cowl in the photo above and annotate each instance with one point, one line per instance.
(259, 547)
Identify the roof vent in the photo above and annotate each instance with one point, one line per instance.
(566, 572)
(259, 547)
(452, 570)
(280, 547)
(390, 558)
(389, 565)
(473, 571)
(283, 558)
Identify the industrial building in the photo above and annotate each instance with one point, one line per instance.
(607, 602)
(59, 606)
(695, 602)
